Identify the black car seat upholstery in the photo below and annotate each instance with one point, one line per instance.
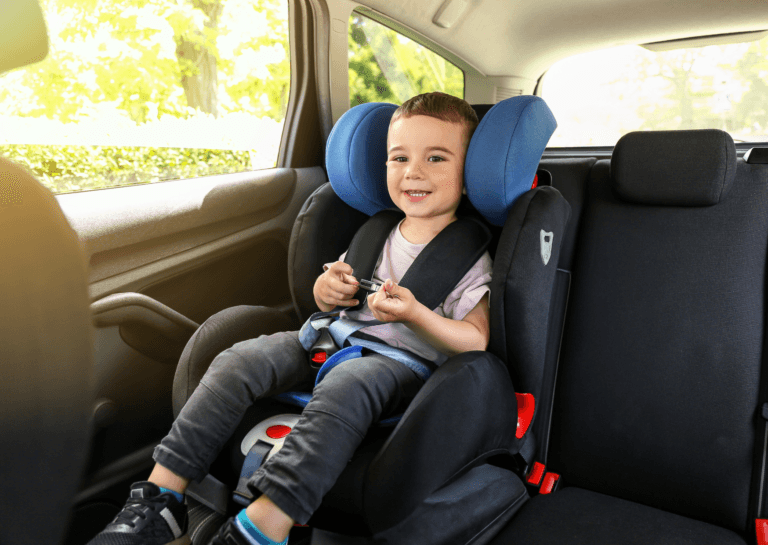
(45, 342)
(654, 428)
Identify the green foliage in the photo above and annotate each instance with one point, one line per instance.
(127, 54)
(697, 98)
(64, 169)
(387, 67)
(752, 110)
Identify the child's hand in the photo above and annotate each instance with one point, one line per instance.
(393, 303)
(336, 287)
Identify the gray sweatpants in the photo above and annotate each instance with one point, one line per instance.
(347, 401)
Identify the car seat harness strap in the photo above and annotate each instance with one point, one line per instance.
(437, 269)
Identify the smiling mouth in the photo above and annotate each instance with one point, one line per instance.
(417, 193)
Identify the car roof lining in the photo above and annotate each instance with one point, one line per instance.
(537, 33)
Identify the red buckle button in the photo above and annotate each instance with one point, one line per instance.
(761, 528)
(278, 432)
(537, 472)
(525, 408)
(319, 357)
(549, 483)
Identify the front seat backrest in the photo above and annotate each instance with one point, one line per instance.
(46, 354)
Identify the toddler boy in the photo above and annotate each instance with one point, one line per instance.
(426, 145)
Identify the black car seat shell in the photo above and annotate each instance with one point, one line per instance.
(403, 470)
(658, 387)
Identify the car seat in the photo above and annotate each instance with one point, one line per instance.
(404, 484)
(659, 421)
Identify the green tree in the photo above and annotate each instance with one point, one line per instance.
(269, 81)
(687, 103)
(149, 58)
(751, 112)
(197, 57)
(384, 66)
(701, 92)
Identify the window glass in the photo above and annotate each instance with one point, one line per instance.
(598, 97)
(385, 66)
(137, 91)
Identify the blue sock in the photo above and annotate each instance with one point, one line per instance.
(252, 533)
(178, 496)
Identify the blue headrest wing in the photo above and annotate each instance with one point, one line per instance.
(356, 157)
(504, 154)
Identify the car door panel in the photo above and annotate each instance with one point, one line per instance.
(162, 261)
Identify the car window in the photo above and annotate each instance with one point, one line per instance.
(385, 66)
(598, 97)
(137, 91)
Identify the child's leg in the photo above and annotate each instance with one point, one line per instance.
(236, 378)
(239, 376)
(165, 478)
(344, 405)
(270, 519)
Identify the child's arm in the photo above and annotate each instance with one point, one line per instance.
(448, 336)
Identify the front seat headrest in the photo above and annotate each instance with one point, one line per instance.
(23, 37)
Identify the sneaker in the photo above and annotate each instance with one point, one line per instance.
(148, 518)
(229, 535)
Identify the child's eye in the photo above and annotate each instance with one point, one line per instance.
(435, 159)
(399, 159)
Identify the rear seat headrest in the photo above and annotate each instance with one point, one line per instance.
(501, 161)
(504, 154)
(674, 168)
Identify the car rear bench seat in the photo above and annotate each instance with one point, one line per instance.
(657, 431)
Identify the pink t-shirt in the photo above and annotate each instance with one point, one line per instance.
(397, 256)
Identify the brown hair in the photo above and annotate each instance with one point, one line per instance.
(440, 106)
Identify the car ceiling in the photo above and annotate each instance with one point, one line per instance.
(524, 37)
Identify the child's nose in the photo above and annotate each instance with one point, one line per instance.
(413, 170)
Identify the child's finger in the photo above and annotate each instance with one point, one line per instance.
(342, 287)
(338, 296)
(387, 288)
(345, 302)
(349, 279)
(390, 306)
(341, 268)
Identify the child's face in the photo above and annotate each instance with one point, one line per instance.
(426, 156)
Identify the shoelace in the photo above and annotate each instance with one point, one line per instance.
(135, 507)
